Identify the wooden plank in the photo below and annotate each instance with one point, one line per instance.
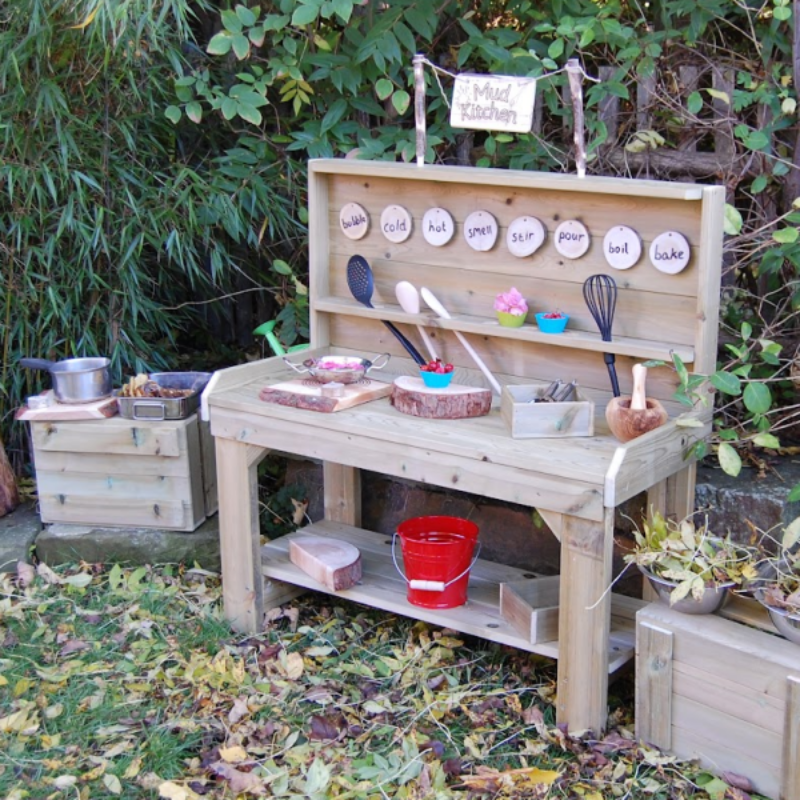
(717, 756)
(710, 262)
(342, 493)
(715, 691)
(55, 411)
(208, 461)
(654, 685)
(585, 603)
(403, 460)
(146, 501)
(311, 396)
(651, 458)
(242, 586)
(491, 177)
(382, 587)
(196, 511)
(741, 737)
(790, 767)
(114, 436)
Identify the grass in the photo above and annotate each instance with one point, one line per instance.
(127, 683)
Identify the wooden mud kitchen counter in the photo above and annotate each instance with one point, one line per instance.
(467, 235)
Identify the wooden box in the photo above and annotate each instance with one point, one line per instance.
(526, 419)
(118, 472)
(722, 692)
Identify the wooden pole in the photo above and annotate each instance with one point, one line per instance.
(419, 107)
(575, 74)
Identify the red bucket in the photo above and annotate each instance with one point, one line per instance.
(438, 555)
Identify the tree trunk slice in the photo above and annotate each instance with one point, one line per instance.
(9, 496)
(309, 395)
(332, 562)
(412, 396)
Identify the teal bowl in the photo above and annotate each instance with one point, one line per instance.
(436, 380)
(551, 325)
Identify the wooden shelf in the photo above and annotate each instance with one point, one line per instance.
(382, 587)
(577, 340)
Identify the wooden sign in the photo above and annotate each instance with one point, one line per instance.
(354, 221)
(480, 231)
(438, 227)
(622, 247)
(396, 224)
(571, 238)
(525, 236)
(493, 103)
(670, 252)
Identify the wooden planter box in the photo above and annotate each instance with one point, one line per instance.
(122, 473)
(722, 692)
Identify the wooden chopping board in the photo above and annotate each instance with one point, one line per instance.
(412, 396)
(333, 562)
(308, 394)
(99, 409)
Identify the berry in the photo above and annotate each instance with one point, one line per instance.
(553, 315)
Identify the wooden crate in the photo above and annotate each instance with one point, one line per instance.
(722, 692)
(123, 473)
(528, 420)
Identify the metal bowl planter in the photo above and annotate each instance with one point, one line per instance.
(712, 600)
(786, 622)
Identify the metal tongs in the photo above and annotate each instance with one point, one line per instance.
(556, 392)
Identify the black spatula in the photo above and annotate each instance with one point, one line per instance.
(362, 285)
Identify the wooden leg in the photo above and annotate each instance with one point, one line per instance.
(790, 779)
(242, 584)
(342, 493)
(674, 498)
(584, 622)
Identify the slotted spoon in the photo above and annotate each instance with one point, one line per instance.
(362, 285)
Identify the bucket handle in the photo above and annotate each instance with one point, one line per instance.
(431, 586)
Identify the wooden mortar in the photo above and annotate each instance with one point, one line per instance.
(629, 417)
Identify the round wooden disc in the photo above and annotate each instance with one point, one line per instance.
(670, 252)
(396, 223)
(438, 226)
(525, 236)
(622, 247)
(480, 231)
(571, 238)
(354, 221)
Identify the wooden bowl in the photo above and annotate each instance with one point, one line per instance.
(627, 423)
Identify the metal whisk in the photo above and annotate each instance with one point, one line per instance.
(600, 294)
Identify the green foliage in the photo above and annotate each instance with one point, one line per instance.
(114, 220)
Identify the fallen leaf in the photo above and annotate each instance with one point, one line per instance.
(174, 791)
(47, 574)
(25, 573)
(239, 711)
(239, 781)
(233, 755)
(325, 728)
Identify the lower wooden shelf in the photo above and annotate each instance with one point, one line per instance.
(382, 587)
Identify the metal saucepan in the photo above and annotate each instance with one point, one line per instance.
(76, 380)
(339, 369)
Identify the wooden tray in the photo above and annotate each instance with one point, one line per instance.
(308, 394)
(100, 409)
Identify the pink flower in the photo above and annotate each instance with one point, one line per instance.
(511, 302)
